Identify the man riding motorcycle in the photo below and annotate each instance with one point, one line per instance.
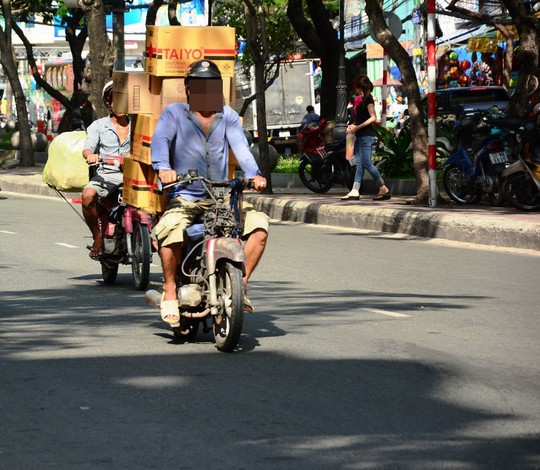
(106, 137)
(197, 135)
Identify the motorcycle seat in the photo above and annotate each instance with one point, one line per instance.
(335, 145)
(195, 232)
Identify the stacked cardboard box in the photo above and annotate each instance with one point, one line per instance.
(144, 95)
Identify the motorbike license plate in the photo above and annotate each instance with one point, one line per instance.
(498, 157)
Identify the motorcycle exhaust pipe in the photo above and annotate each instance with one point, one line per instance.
(189, 295)
(153, 297)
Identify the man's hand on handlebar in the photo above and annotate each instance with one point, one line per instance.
(92, 158)
(259, 183)
(167, 176)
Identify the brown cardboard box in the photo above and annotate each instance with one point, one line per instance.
(171, 49)
(142, 137)
(172, 91)
(140, 187)
(131, 93)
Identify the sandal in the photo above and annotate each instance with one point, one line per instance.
(382, 197)
(248, 306)
(169, 312)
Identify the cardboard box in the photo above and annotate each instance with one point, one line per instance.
(142, 137)
(171, 49)
(131, 93)
(140, 187)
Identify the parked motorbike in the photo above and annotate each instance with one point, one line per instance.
(476, 168)
(521, 180)
(323, 165)
(126, 238)
(210, 278)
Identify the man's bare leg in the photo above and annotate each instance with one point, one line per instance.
(170, 258)
(254, 249)
(91, 216)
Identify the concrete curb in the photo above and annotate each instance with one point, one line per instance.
(481, 224)
(486, 229)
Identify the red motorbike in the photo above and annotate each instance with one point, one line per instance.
(126, 239)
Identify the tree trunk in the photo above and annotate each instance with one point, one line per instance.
(322, 39)
(101, 55)
(528, 28)
(9, 64)
(416, 113)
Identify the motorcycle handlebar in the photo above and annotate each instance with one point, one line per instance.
(110, 160)
(237, 184)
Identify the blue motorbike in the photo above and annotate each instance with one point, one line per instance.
(482, 154)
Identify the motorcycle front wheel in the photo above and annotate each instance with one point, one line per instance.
(228, 324)
(520, 191)
(318, 180)
(458, 186)
(142, 256)
(109, 271)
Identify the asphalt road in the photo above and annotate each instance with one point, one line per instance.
(367, 351)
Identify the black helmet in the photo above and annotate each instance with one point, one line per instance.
(202, 69)
(107, 94)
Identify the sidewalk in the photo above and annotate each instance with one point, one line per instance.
(482, 223)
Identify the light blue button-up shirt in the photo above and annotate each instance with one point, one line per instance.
(180, 143)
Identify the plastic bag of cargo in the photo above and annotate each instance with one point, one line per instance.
(66, 169)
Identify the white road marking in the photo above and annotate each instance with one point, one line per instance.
(66, 245)
(8, 232)
(386, 312)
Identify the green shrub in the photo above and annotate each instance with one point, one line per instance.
(287, 164)
(394, 156)
(5, 140)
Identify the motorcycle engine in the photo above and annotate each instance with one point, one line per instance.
(109, 245)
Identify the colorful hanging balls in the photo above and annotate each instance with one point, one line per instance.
(464, 65)
(453, 84)
(453, 55)
(464, 80)
(454, 72)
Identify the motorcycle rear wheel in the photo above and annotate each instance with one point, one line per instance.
(109, 271)
(458, 187)
(142, 255)
(520, 191)
(317, 183)
(228, 324)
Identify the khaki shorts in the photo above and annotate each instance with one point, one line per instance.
(181, 214)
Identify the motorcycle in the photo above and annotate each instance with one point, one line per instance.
(476, 168)
(521, 180)
(211, 273)
(323, 165)
(126, 237)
